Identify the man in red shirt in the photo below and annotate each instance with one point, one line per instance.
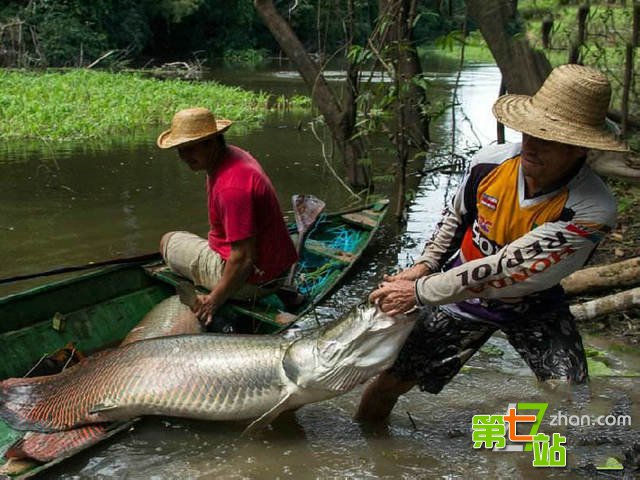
(249, 250)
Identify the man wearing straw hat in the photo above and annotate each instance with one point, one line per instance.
(248, 249)
(525, 216)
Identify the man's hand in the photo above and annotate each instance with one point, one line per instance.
(205, 307)
(236, 270)
(395, 297)
(411, 273)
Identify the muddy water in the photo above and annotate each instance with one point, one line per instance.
(80, 203)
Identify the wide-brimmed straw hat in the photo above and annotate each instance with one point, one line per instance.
(570, 107)
(192, 125)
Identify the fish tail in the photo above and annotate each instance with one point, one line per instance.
(24, 401)
(53, 402)
(44, 447)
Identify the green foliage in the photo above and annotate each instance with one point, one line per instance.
(245, 57)
(608, 31)
(296, 102)
(598, 368)
(84, 104)
(358, 55)
(388, 178)
(78, 43)
(176, 10)
(628, 197)
(436, 19)
(475, 48)
(450, 40)
(72, 32)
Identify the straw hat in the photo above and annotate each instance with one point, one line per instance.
(192, 125)
(570, 107)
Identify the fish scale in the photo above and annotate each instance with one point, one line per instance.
(209, 376)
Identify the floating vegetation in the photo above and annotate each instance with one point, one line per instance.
(283, 102)
(85, 104)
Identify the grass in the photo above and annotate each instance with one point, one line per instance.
(475, 50)
(84, 104)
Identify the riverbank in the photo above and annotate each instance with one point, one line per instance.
(621, 244)
(608, 28)
(84, 104)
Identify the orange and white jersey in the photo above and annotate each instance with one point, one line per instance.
(503, 254)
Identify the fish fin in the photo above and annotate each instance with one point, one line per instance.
(105, 406)
(267, 417)
(29, 403)
(45, 447)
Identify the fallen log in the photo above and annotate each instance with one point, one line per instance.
(613, 164)
(617, 302)
(620, 274)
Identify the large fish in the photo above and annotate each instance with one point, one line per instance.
(169, 317)
(209, 376)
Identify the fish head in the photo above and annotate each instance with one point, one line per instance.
(368, 339)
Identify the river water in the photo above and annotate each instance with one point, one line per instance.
(70, 204)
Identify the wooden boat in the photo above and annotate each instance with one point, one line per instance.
(96, 310)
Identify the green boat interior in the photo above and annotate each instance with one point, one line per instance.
(96, 310)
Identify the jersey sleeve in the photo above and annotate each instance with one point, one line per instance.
(533, 262)
(448, 234)
(237, 213)
(457, 216)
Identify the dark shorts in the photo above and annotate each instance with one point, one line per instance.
(440, 344)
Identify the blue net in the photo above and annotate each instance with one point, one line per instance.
(315, 273)
(314, 281)
(345, 239)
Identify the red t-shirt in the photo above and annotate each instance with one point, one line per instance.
(242, 204)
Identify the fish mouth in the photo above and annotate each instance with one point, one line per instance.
(399, 322)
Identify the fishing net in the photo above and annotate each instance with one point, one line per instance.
(316, 273)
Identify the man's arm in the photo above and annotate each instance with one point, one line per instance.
(460, 213)
(444, 243)
(534, 262)
(445, 240)
(238, 268)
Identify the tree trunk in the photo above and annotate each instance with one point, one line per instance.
(400, 16)
(620, 274)
(353, 148)
(547, 26)
(574, 51)
(618, 302)
(339, 122)
(523, 68)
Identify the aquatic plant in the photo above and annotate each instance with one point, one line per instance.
(84, 104)
(245, 57)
